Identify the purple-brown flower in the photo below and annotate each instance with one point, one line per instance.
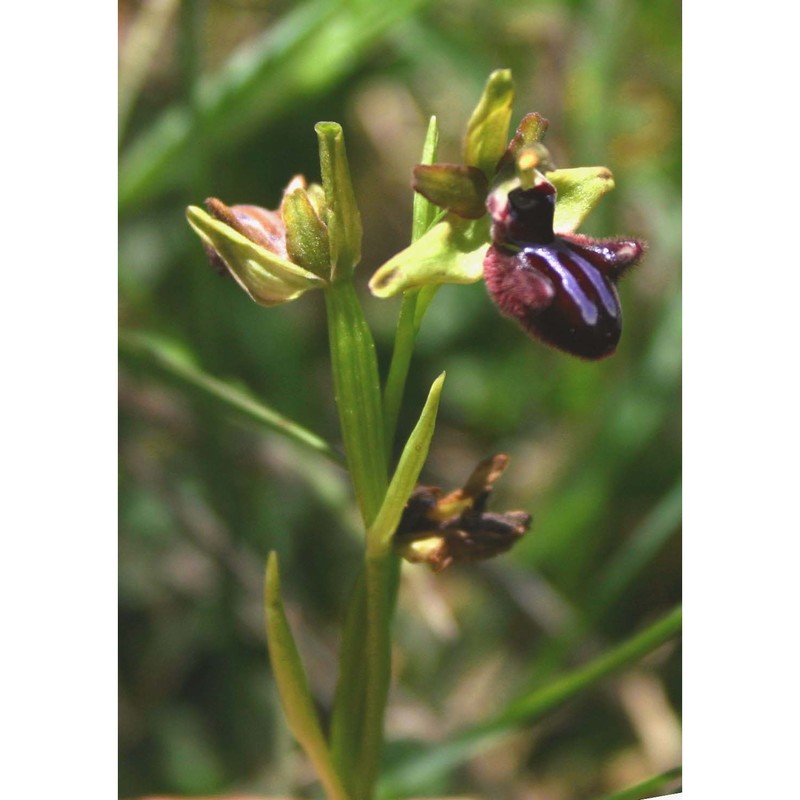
(441, 529)
(560, 288)
(559, 285)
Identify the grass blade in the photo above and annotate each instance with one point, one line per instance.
(162, 361)
(527, 709)
(658, 783)
(305, 53)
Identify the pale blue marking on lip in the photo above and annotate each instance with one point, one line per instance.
(587, 307)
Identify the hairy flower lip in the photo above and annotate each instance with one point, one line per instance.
(559, 287)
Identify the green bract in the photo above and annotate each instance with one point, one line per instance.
(341, 215)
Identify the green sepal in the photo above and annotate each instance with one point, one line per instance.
(424, 212)
(342, 216)
(487, 129)
(579, 191)
(451, 251)
(266, 277)
(306, 234)
(455, 187)
(293, 690)
(405, 476)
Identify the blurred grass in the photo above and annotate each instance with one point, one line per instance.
(595, 447)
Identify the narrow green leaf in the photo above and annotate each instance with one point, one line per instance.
(308, 50)
(487, 129)
(342, 216)
(161, 358)
(658, 784)
(636, 552)
(415, 773)
(290, 678)
(405, 477)
(424, 212)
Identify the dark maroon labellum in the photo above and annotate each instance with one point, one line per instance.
(559, 287)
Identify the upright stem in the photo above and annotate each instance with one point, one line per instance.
(368, 429)
(398, 370)
(358, 398)
(357, 727)
(425, 214)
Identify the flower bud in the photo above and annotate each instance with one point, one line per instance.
(251, 244)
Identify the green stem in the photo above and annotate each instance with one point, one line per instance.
(401, 361)
(381, 579)
(358, 398)
(425, 215)
(382, 574)
(365, 671)
(357, 726)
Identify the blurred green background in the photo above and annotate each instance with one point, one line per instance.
(220, 98)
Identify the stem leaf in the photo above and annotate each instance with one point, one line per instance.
(405, 476)
(424, 212)
(292, 684)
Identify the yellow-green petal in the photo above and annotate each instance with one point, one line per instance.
(450, 252)
(579, 191)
